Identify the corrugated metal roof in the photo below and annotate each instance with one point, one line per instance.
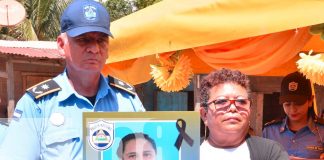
(38, 49)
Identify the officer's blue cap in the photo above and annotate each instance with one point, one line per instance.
(83, 16)
(295, 87)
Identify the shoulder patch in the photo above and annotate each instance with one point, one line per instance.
(275, 121)
(43, 88)
(2, 122)
(121, 85)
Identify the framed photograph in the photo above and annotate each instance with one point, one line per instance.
(156, 135)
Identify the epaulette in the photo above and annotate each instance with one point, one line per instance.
(275, 121)
(43, 88)
(122, 85)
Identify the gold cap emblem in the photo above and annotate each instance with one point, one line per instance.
(292, 86)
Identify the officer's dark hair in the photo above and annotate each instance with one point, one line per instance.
(220, 77)
(311, 111)
(131, 136)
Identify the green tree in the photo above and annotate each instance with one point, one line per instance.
(118, 8)
(140, 4)
(121, 8)
(43, 17)
(41, 23)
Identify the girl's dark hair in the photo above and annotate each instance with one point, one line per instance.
(311, 111)
(220, 77)
(131, 136)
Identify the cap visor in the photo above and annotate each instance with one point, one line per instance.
(81, 30)
(292, 98)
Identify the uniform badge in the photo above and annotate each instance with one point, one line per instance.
(57, 119)
(315, 148)
(17, 114)
(101, 134)
(90, 12)
(292, 86)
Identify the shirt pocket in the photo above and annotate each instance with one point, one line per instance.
(66, 136)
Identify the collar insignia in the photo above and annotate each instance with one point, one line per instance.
(117, 83)
(43, 88)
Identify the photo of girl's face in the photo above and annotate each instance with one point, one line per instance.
(139, 149)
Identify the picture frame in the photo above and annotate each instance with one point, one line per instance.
(175, 133)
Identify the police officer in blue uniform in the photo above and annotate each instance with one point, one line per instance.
(301, 132)
(47, 122)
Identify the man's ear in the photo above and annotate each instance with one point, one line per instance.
(203, 114)
(61, 42)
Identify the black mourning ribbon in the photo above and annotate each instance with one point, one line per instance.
(182, 134)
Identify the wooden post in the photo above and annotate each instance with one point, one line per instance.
(196, 84)
(10, 87)
(256, 116)
(319, 100)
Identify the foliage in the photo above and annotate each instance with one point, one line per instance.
(121, 8)
(140, 4)
(118, 8)
(41, 23)
(43, 17)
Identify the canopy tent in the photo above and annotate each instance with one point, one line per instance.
(256, 37)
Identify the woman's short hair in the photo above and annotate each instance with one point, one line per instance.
(220, 77)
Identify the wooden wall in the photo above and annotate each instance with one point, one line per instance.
(25, 72)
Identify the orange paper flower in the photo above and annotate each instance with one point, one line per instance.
(173, 74)
(312, 66)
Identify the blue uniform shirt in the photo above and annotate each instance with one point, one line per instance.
(306, 143)
(51, 127)
(3, 130)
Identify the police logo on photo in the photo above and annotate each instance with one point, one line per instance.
(101, 135)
